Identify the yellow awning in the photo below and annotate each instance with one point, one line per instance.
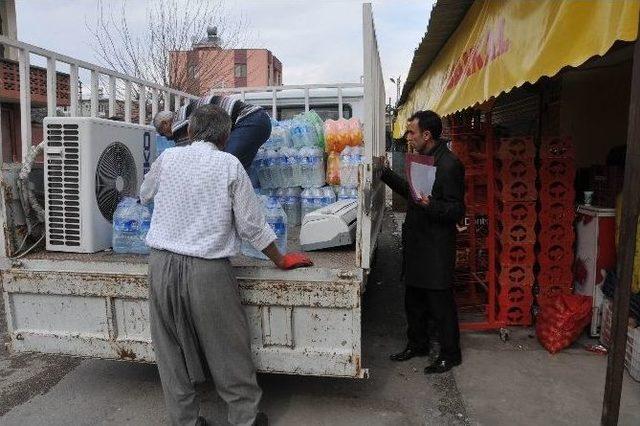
(502, 44)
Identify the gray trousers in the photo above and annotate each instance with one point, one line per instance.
(197, 321)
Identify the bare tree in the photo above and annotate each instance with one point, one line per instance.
(160, 50)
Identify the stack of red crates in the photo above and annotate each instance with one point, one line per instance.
(516, 196)
(556, 235)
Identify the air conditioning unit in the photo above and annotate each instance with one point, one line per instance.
(90, 165)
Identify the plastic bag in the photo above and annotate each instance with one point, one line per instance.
(561, 321)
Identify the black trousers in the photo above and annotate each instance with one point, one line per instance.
(421, 304)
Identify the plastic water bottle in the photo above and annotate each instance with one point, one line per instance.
(277, 219)
(288, 167)
(264, 173)
(345, 164)
(269, 164)
(126, 226)
(306, 203)
(343, 193)
(306, 168)
(317, 196)
(317, 167)
(353, 193)
(328, 196)
(291, 205)
(280, 164)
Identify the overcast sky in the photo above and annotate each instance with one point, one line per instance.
(316, 41)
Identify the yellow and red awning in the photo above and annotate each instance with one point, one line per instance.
(502, 44)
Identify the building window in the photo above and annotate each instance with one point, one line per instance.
(240, 70)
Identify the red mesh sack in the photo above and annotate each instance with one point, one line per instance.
(561, 321)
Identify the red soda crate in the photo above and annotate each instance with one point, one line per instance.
(519, 314)
(557, 191)
(556, 212)
(518, 147)
(517, 254)
(557, 147)
(516, 190)
(508, 170)
(557, 169)
(516, 232)
(555, 254)
(522, 212)
(555, 276)
(515, 275)
(515, 294)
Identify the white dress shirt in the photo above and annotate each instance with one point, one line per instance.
(204, 204)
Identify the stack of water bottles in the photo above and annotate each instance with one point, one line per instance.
(277, 219)
(131, 222)
(290, 160)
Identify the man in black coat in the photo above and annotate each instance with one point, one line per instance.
(429, 238)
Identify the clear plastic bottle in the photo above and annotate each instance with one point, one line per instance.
(291, 205)
(270, 160)
(297, 167)
(306, 167)
(343, 193)
(353, 193)
(306, 203)
(288, 167)
(316, 156)
(345, 167)
(264, 173)
(328, 196)
(280, 165)
(316, 197)
(277, 219)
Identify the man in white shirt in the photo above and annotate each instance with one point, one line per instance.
(204, 205)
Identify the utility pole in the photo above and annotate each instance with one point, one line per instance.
(626, 252)
(397, 83)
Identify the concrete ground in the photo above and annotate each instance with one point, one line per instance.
(516, 382)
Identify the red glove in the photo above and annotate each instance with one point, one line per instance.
(295, 260)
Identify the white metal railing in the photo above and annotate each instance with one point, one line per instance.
(305, 87)
(52, 58)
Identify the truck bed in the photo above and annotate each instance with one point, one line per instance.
(343, 258)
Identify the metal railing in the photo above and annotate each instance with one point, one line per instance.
(25, 50)
(305, 87)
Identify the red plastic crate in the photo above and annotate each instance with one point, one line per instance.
(508, 170)
(515, 275)
(515, 294)
(556, 212)
(557, 192)
(555, 254)
(517, 254)
(556, 232)
(516, 190)
(555, 276)
(554, 169)
(516, 314)
(557, 147)
(516, 232)
(519, 147)
(523, 212)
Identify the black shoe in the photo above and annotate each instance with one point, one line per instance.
(261, 420)
(201, 421)
(442, 366)
(408, 353)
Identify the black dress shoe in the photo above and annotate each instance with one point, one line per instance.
(442, 366)
(261, 420)
(408, 353)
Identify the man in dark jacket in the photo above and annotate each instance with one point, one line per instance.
(429, 238)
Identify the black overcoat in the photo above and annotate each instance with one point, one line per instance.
(429, 232)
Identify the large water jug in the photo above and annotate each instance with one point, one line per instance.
(317, 167)
(145, 211)
(291, 205)
(126, 226)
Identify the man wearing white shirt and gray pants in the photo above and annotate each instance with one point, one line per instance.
(204, 205)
